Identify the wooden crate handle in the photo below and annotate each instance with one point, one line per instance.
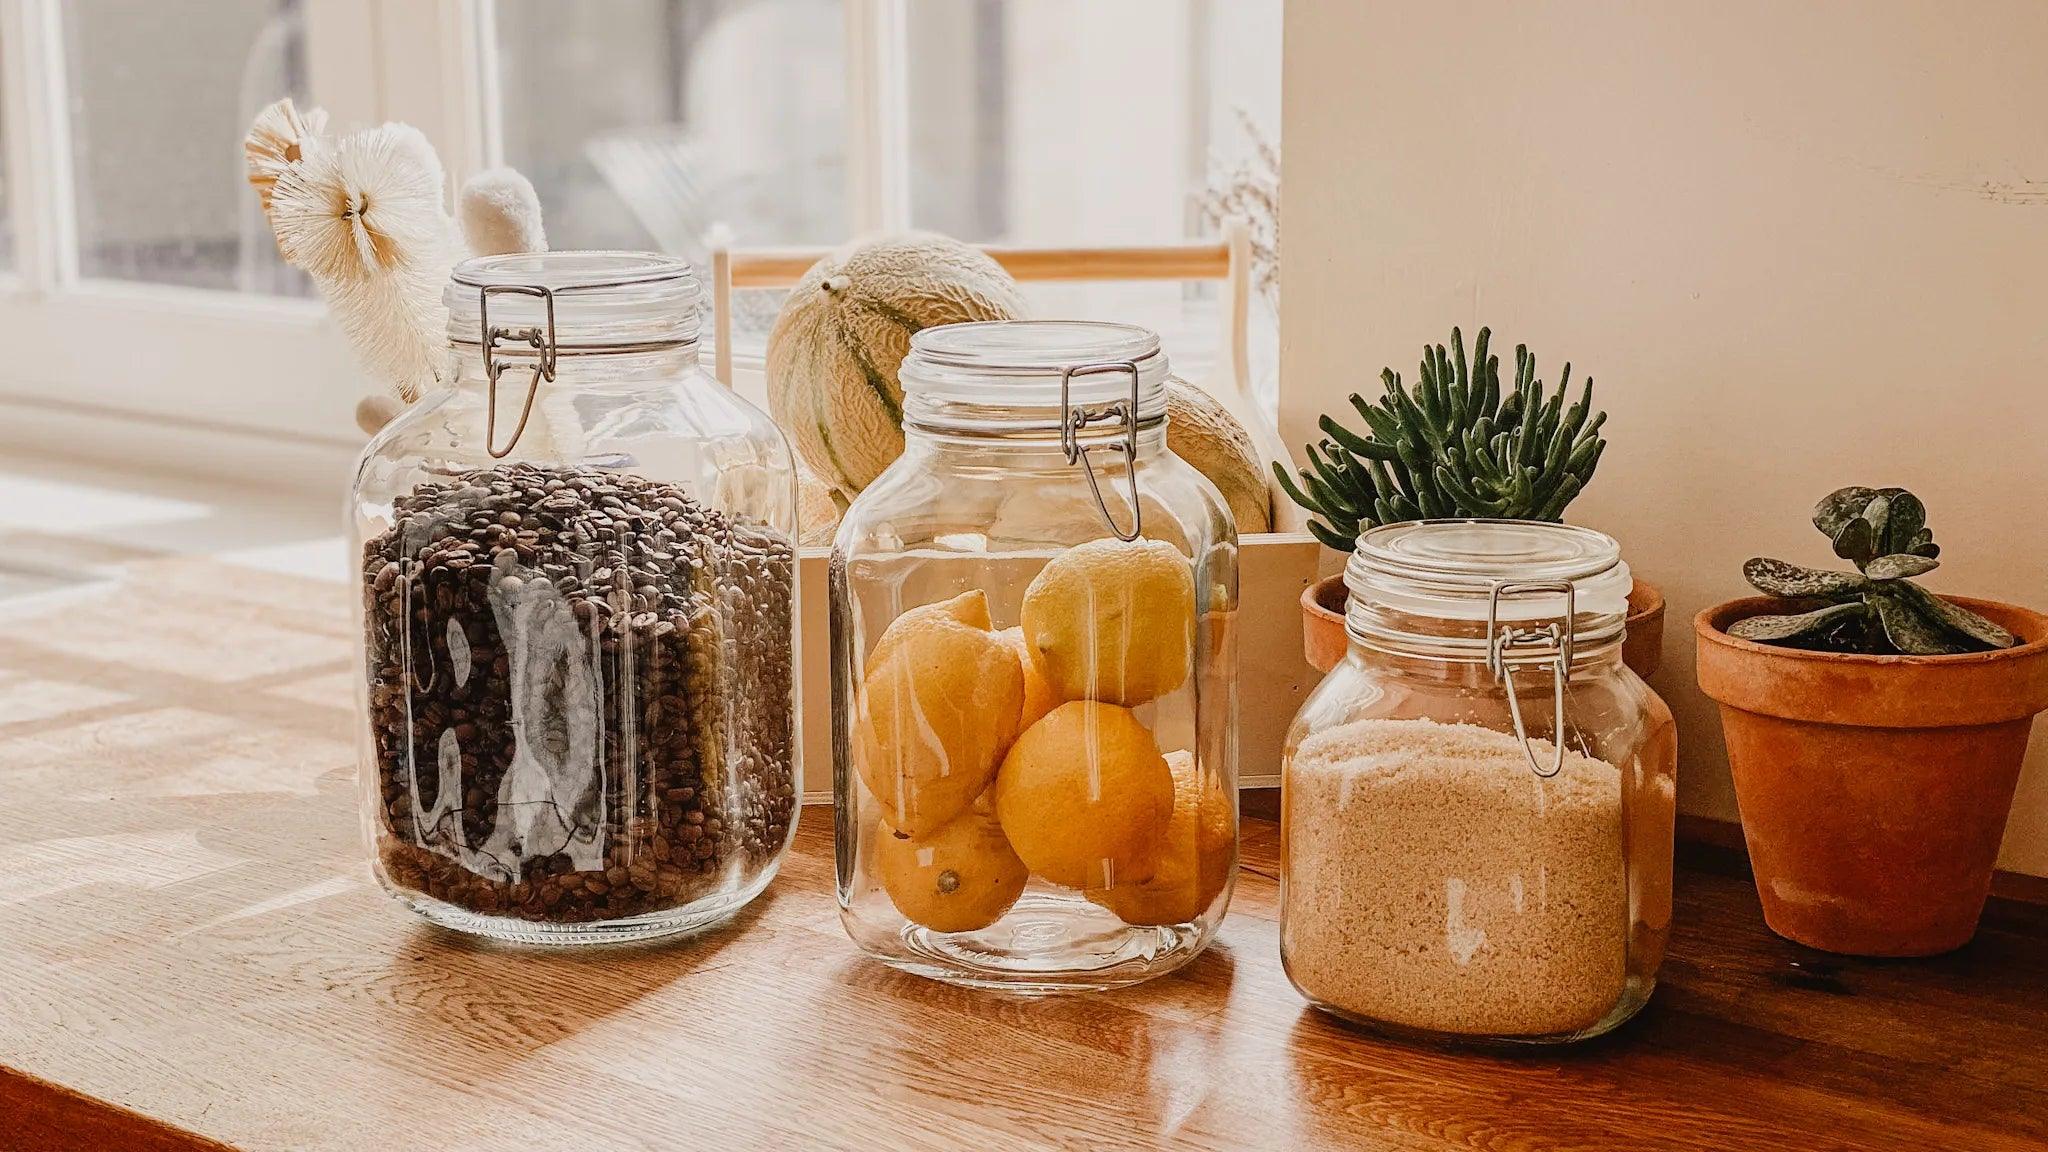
(1197, 260)
(1227, 259)
(721, 313)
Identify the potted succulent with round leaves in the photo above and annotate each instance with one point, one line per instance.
(1458, 445)
(1875, 732)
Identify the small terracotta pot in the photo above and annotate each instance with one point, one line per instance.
(1874, 789)
(1322, 622)
(1642, 649)
(1323, 641)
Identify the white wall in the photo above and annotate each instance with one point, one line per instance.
(1797, 245)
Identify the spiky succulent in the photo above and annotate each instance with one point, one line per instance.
(1877, 608)
(1455, 446)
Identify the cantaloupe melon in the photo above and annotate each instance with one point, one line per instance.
(844, 330)
(1201, 431)
(817, 509)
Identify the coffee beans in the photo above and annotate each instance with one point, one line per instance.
(581, 694)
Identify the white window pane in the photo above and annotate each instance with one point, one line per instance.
(1075, 123)
(1058, 121)
(6, 200)
(160, 95)
(1242, 77)
(1070, 121)
(1033, 122)
(652, 123)
(1242, 40)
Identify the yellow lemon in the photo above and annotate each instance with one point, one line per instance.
(938, 707)
(1039, 698)
(1084, 796)
(960, 878)
(1112, 620)
(1194, 862)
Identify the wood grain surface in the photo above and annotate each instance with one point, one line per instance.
(191, 950)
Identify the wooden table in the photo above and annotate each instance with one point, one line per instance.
(192, 951)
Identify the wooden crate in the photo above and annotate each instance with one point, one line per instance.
(1273, 678)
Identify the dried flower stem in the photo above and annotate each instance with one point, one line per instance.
(1251, 191)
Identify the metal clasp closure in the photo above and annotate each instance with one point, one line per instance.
(1499, 639)
(541, 340)
(1073, 419)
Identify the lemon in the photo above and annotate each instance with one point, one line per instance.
(1194, 862)
(1084, 796)
(1039, 698)
(960, 878)
(937, 708)
(1112, 620)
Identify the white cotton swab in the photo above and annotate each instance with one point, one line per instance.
(275, 142)
(362, 215)
(500, 213)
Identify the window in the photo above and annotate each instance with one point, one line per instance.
(152, 134)
(695, 118)
(650, 123)
(142, 284)
(6, 205)
(137, 275)
(786, 122)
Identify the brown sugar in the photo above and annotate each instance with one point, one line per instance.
(1435, 882)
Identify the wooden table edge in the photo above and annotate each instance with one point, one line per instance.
(49, 1117)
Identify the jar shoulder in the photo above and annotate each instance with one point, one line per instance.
(680, 427)
(957, 500)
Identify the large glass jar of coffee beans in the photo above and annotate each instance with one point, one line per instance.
(578, 693)
(1034, 698)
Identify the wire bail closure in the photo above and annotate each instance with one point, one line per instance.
(541, 341)
(1073, 420)
(1499, 639)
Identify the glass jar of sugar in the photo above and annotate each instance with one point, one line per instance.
(1452, 867)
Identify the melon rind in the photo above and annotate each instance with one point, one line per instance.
(843, 331)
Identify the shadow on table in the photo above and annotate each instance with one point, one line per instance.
(491, 1005)
(1156, 1049)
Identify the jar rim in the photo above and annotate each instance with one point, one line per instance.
(595, 301)
(1010, 374)
(1441, 584)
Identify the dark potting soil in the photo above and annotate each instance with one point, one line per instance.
(581, 694)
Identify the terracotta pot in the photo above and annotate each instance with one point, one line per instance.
(1874, 789)
(1642, 649)
(1322, 622)
(1323, 642)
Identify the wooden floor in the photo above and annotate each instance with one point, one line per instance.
(192, 954)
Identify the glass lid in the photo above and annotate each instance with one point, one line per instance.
(599, 299)
(1449, 569)
(1017, 366)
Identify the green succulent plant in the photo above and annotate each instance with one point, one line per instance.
(1877, 608)
(1454, 446)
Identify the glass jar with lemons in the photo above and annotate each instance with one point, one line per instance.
(1034, 698)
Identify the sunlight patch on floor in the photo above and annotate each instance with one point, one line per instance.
(69, 507)
(137, 516)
